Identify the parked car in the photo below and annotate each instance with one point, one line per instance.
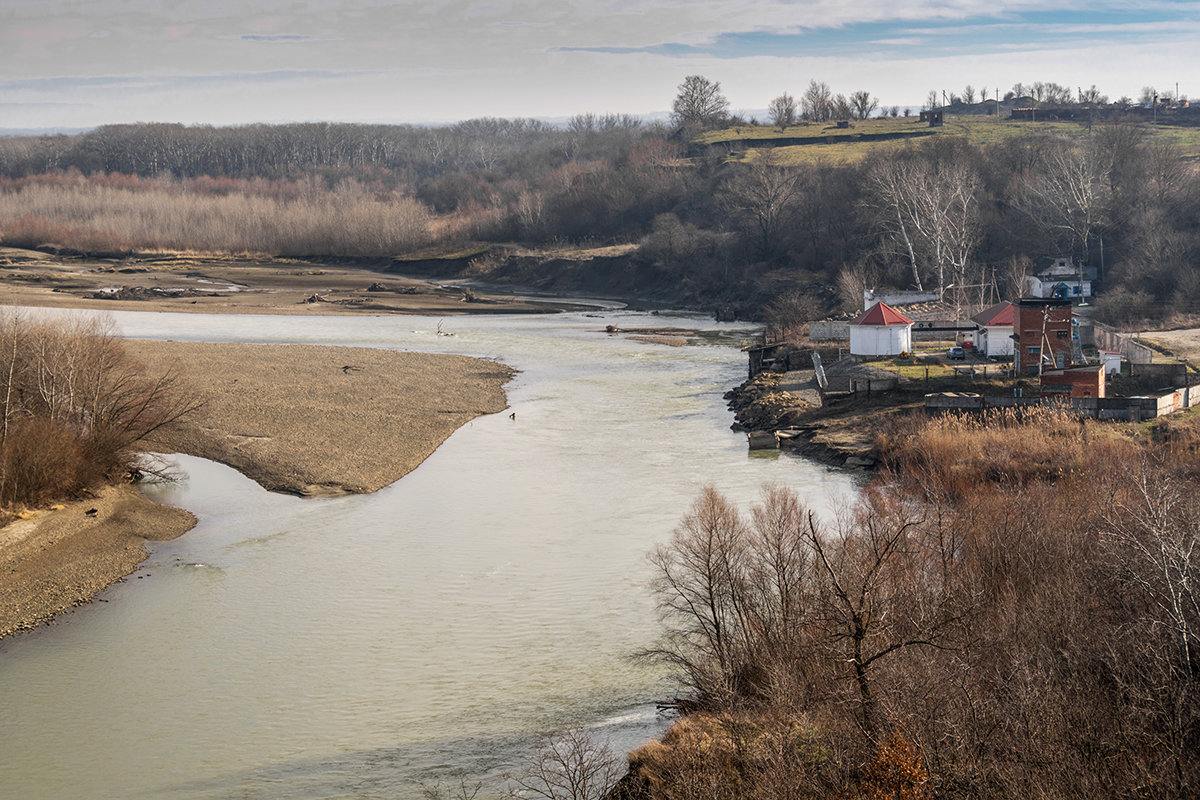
(956, 353)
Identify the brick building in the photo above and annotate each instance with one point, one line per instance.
(1074, 382)
(1042, 327)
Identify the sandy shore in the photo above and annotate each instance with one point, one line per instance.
(304, 419)
(320, 420)
(63, 558)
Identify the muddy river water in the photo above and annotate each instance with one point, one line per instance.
(366, 646)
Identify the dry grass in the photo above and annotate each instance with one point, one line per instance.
(96, 216)
(846, 145)
(956, 454)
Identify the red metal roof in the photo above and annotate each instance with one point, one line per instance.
(999, 314)
(881, 314)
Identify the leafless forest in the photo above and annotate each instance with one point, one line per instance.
(943, 212)
(1011, 611)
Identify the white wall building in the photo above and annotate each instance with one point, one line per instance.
(1062, 279)
(994, 330)
(880, 331)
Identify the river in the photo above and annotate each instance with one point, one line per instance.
(367, 646)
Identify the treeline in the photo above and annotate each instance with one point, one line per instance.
(936, 214)
(1012, 610)
(75, 408)
(402, 153)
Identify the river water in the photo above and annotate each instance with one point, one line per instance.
(367, 646)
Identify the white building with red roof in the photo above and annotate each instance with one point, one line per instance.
(994, 330)
(880, 331)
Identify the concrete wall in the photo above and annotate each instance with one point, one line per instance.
(1130, 409)
(829, 329)
(1172, 373)
(893, 299)
(839, 383)
(1107, 338)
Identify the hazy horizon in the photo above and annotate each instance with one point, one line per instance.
(69, 64)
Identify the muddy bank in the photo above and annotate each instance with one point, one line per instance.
(218, 284)
(841, 434)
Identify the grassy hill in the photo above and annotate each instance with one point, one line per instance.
(825, 142)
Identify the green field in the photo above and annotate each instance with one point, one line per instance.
(834, 145)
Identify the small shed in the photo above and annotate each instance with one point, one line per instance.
(880, 331)
(1074, 382)
(1112, 362)
(994, 330)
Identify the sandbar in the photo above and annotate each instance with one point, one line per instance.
(304, 419)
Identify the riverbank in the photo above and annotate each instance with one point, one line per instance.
(62, 558)
(842, 434)
(307, 420)
(228, 284)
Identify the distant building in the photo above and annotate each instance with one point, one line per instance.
(880, 331)
(1061, 279)
(994, 334)
(897, 298)
(1043, 331)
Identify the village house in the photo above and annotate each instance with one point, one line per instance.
(880, 331)
(1061, 278)
(994, 331)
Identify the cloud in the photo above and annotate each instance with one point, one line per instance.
(897, 37)
(282, 37)
(122, 83)
(458, 58)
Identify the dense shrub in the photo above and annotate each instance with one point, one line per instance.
(74, 407)
(1011, 610)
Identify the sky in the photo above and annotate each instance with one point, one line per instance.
(80, 63)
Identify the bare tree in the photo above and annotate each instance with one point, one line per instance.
(761, 197)
(699, 104)
(570, 765)
(840, 107)
(77, 408)
(782, 111)
(863, 104)
(1154, 537)
(787, 315)
(817, 102)
(968, 95)
(930, 209)
(1069, 196)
